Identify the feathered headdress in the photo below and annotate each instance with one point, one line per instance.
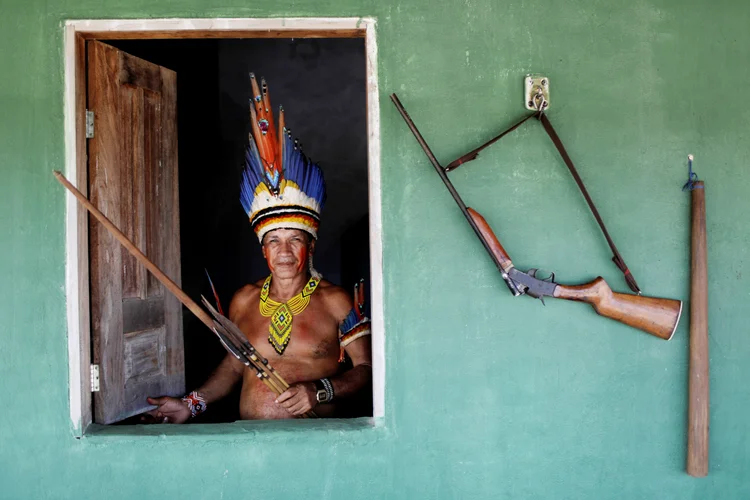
(280, 187)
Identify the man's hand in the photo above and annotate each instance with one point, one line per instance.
(170, 410)
(299, 398)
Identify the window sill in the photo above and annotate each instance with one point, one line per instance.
(365, 429)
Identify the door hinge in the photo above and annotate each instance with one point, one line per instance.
(89, 124)
(94, 378)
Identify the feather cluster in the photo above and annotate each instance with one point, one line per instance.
(280, 186)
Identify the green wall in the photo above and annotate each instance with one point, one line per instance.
(487, 396)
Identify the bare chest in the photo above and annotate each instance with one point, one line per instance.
(313, 337)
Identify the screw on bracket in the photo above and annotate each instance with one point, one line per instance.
(536, 92)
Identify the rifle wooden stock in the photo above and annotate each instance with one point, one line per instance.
(653, 315)
(656, 316)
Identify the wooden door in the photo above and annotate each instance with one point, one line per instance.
(136, 324)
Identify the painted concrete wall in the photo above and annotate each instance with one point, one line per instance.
(487, 396)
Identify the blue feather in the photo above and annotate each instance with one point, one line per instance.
(300, 170)
(297, 168)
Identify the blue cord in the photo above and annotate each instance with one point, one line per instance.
(692, 177)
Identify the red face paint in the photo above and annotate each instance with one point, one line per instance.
(286, 251)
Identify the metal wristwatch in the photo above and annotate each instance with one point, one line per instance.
(324, 389)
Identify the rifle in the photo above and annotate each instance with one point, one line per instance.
(656, 316)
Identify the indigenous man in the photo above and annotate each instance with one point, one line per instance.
(300, 322)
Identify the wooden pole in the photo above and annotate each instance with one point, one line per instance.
(698, 390)
(270, 377)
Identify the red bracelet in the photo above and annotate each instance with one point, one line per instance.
(195, 402)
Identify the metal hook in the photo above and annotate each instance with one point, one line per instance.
(692, 176)
(539, 96)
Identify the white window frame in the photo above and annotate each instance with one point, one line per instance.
(76, 230)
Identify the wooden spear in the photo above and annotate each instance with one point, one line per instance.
(230, 336)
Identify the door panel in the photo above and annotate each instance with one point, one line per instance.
(136, 325)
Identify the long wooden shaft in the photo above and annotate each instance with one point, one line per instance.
(272, 379)
(698, 390)
(135, 251)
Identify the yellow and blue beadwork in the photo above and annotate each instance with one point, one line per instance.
(282, 313)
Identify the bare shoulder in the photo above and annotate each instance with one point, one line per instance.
(243, 298)
(337, 300)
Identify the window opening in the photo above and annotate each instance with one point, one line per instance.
(321, 84)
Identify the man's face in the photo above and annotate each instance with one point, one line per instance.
(286, 251)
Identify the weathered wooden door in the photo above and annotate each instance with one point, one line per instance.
(136, 325)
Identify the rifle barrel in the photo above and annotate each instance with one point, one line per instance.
(441, 172)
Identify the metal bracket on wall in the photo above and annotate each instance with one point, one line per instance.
(536, 92)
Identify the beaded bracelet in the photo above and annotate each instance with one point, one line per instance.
(195, 402)
(329, 389)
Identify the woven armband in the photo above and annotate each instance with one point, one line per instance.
(195, 402)
(353, 327)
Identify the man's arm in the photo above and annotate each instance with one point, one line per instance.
(301, 397)
(222, 380)
(229, 372)
(219, 384)
(351, 381)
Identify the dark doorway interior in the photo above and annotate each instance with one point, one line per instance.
(321, 83)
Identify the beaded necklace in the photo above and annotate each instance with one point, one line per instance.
(281, 313)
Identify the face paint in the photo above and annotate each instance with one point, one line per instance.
(286, 252)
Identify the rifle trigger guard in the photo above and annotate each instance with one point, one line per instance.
(533, 273)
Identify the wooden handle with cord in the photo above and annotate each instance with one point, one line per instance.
(698, 389)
